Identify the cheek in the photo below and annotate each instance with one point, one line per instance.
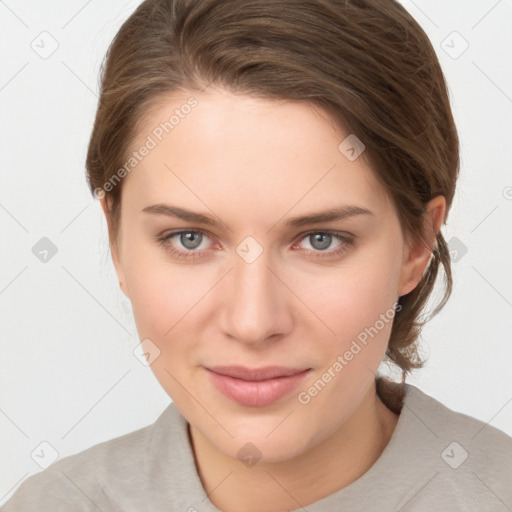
(165, 300)
(167, 297)
(354, 297)
(162, 294)
(359, 307)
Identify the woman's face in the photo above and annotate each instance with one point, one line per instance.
(255, 281)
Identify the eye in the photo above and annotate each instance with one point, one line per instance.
(193, 243)
(321, 241)
(185, 244)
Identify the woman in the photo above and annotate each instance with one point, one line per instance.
(275, 176)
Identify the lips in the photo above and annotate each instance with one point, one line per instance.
(255, 387)
(269, 372)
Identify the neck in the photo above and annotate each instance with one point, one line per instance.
(331, 465)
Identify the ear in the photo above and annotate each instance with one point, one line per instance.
(417, 253)
(114, 246)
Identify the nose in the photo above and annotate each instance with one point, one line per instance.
(258, 308)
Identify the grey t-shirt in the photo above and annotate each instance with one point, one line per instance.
(436, 460)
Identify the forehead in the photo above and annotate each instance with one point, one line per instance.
(253, 154)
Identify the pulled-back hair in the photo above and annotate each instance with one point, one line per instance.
(366, 63)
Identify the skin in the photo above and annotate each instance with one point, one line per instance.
(253, 164)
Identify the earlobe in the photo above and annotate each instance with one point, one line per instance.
(418, 252)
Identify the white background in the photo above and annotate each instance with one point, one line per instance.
(67, 372)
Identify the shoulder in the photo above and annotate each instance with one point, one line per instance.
(482, 437)
(473, 459)
(81, 480)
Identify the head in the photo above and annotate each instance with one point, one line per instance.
(256, 117)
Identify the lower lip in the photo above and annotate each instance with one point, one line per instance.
(256, 393)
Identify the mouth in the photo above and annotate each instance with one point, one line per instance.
(255, 387)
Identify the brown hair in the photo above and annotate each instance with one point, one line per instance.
(367, 63)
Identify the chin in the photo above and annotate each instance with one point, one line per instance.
(266, 450)
(271, 440)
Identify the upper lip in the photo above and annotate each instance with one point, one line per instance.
(255, 374)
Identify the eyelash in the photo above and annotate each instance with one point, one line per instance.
(346, 240)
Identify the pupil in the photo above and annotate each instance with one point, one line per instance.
(324, 240)
(189, 240)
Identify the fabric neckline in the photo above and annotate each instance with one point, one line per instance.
(179, 465)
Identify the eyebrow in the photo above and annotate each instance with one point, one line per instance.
(330, 215)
